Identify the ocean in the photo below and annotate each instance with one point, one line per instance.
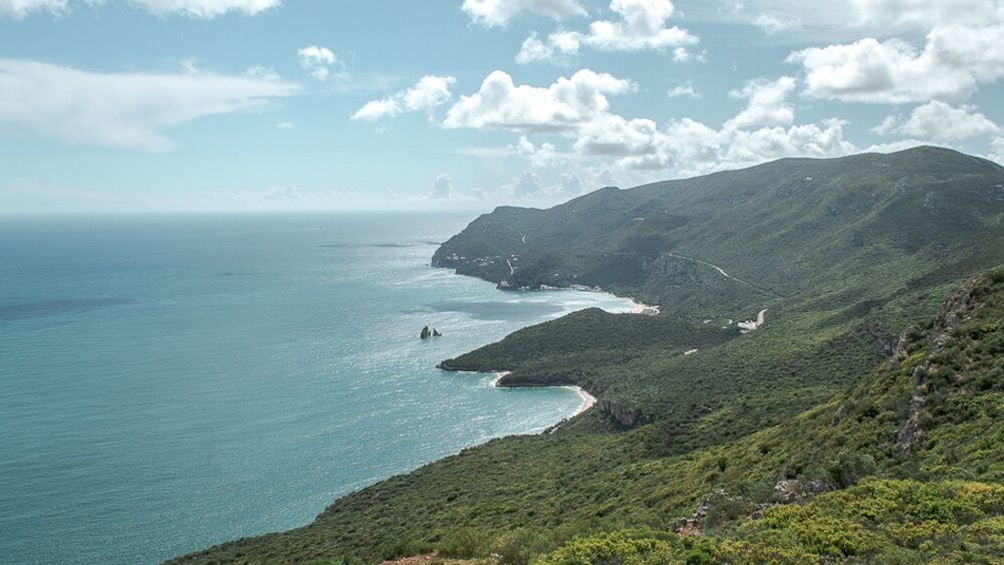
(169, 383)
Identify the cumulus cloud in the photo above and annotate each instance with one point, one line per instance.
(205, 9)
(317, 60)
(128, 110)
(426, 95)
(257, 71)
(954, 61)
(613, 135)
(775, 23)
(920, 14)
(997, 151)
(18, 9)
(940, 121)
(768, 103)
(640, 26)
(842, 20)
(639, 149)
(566, 105)
(683, 90)
(689, 147)
(559, 48)
(528, 185)
(442, 187)
(491, 13)
(571, 185)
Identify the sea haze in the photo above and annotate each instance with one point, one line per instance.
(170, 383)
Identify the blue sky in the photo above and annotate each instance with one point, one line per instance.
(210, 105)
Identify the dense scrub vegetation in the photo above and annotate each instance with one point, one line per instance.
(862, 424)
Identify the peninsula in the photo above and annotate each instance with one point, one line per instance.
(861, 422)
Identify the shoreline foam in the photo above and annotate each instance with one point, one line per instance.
(645, 309)
(587, 400)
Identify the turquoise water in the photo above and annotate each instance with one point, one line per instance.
(170, 383)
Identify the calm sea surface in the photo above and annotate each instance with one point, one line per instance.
(170, 383)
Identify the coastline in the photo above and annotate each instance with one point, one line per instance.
(644, 309)
(587, 400)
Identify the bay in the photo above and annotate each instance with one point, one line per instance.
(168, 383)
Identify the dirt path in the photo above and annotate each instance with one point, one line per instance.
(722, 272)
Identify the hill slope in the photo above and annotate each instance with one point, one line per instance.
(844, 254)
(777, 230)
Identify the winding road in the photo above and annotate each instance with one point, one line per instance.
(722, 272)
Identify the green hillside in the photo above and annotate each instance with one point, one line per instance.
(833, 432)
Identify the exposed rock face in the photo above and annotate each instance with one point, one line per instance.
(425, 333)
(627, 417)
(787, 491)
(959, 307)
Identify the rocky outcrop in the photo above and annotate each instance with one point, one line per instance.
(959, 307)
(427, 333)
(623, 415)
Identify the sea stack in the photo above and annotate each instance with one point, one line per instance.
(425, 333)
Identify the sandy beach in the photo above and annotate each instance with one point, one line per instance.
(588, 400)
(645, 309)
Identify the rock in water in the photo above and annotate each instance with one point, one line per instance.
(435, 333)
(425, 333)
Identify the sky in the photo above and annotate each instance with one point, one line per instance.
(113, 106)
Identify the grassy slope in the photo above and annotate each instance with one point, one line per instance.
(887, 261)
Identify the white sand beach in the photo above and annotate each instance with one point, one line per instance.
(588, 400)
(645, 309)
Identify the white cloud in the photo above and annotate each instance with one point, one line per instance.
(768, 104)
(773, 23)
(924, 14)
(257, 71)
(529, 185)
(207, 8)
(525, 148)
(442, 187)
(429, 92)
(843, 20)
(129, 110)
(316, 60)
(566, 105)
(954, 61)
(940, 121)
(639, 150)
(997, 153)
(285, 125)
(640, 26)
(571, 185)
(895, 146)
(613, 135)
(682, 90)
(426, 95)
(18, 9)
(377, 109)
(491, 13)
